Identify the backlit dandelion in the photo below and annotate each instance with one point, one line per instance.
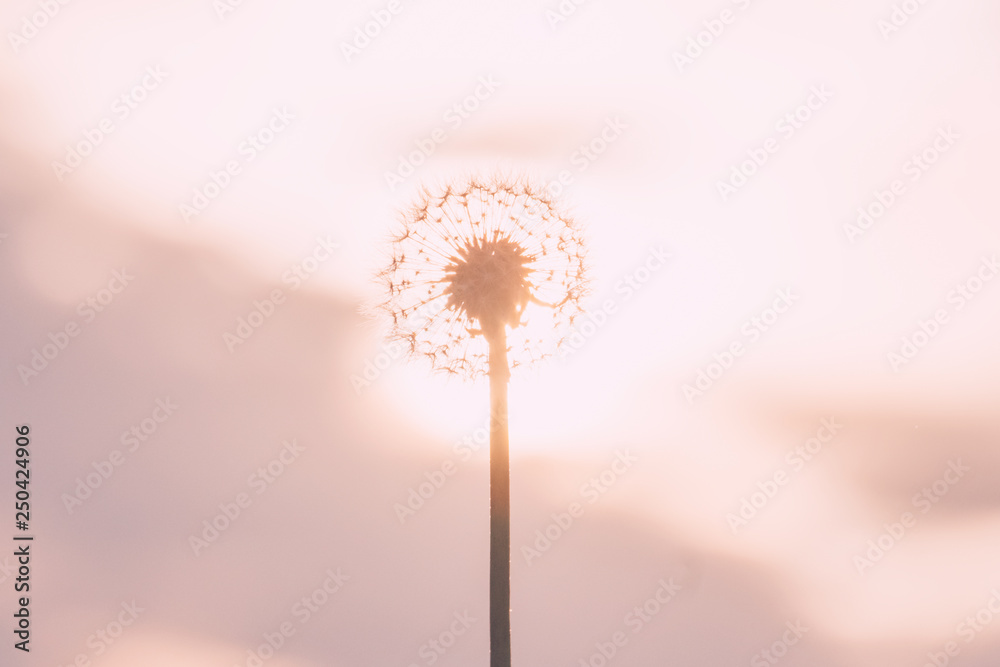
(484, 277)
(477, 256)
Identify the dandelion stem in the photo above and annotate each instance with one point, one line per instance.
(499, 372)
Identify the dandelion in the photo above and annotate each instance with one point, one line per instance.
(485, 277)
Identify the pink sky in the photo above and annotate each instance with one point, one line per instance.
(822, 110)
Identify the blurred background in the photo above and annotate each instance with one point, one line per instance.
(790, 424)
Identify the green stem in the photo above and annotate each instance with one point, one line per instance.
(499, 500)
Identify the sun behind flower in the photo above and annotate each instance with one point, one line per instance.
(474, 258)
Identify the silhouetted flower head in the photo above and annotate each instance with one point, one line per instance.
(472, 260)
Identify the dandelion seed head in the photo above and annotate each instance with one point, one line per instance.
(472, 257)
